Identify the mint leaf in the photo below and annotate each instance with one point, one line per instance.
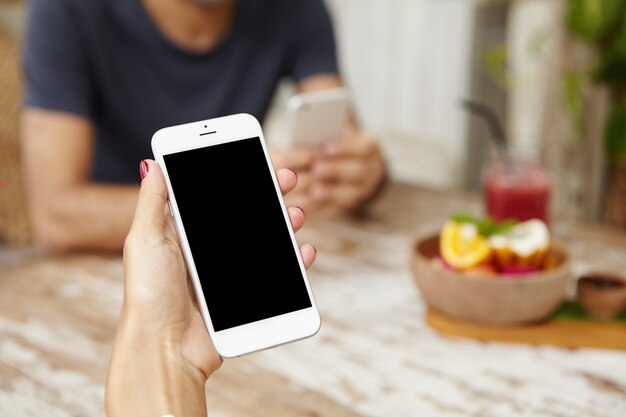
(464, 218)
(505, 227)
(486, 226)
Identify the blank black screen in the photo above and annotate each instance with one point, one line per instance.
(240, 242)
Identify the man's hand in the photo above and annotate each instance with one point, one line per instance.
(347, 174)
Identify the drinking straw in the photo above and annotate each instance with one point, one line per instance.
(495, 128)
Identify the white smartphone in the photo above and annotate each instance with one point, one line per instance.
(317, 117)
(235, 233)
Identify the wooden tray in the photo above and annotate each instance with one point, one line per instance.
(569, 327)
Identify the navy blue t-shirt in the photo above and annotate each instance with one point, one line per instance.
(107, 61)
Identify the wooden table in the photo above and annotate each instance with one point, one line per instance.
(374, 355)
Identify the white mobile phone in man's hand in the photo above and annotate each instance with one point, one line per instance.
(235, 233)
(317, 117)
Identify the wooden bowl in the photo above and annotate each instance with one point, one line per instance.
(488, 299)
(602, 295)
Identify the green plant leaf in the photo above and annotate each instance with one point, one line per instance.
(612, 61)
(505, 227)
(464, 218)
(593, 19)
(573, 92)
(486, 226)
(602, 23)
(618, 44)
(495, 65)
(615, 134)
(611, 69)
(489, 227)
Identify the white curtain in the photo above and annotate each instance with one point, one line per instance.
(408, 63)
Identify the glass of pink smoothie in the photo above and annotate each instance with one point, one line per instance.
(519, 190)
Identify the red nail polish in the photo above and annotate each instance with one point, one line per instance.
(143, 169)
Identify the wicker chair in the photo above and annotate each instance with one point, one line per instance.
(14, 225)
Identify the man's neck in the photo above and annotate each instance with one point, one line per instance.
(190, 26)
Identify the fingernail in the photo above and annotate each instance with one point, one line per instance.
(301, 209)
(143, 169)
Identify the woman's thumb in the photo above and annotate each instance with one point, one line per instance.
(152, 195)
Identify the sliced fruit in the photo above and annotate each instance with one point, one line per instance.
(519, 271)
(481, 271)
(441, 263)
(462, 247)
(524, 246)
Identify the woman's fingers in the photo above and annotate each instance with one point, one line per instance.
(150, 211)
(308, 253)
(287, 180)
(296, 215)
(295, 159)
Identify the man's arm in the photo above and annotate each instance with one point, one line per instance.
(67, 211)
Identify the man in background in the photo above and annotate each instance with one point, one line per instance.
(103, 75)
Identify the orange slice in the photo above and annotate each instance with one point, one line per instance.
(462, 246)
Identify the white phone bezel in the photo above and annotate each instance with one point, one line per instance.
(257, 335)
(313, 118)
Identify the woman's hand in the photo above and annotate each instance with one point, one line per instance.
(300, 161)
(163, 354)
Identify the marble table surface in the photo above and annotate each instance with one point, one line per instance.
(374, 355)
